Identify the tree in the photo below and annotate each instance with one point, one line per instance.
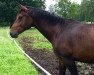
(87, 10)
(73, 11)
(53, 9)
(9, 8)
(66, 9)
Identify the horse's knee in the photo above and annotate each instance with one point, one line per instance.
(69, 64)
(73, 69)
(62, 68)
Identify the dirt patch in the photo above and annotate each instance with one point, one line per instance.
(46, 59)
(49, 61)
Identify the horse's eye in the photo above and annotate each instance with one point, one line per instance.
(20, 17)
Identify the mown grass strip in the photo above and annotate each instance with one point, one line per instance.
(12, 61)
(37, 40)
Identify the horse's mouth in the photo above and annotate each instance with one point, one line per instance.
(14, 35)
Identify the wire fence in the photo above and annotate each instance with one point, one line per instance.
(31, 59)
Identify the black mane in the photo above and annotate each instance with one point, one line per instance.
(45, 15)
(50, 18)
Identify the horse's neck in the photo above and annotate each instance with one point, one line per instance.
(49, 31)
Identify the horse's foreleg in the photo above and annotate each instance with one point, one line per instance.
(72, 67)
(69, 64)
(62, 68)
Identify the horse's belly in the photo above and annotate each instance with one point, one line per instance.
(86, 56)
(85, 60)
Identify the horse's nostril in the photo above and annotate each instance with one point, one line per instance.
(13, 34)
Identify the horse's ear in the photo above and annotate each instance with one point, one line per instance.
(23, 8)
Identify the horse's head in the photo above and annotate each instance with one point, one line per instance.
(23, 21)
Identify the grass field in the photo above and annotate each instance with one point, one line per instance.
(12, 61)
(38, 40)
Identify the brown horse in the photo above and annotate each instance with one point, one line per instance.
(71, 40)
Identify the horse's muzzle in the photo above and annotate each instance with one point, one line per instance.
(13, 34)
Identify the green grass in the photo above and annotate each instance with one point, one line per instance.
(38, 40)
(12, 60)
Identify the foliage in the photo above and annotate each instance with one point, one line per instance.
(65, 8)
(9, 8)
(87, 10)
(82, 12)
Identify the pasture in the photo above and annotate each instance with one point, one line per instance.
(12, 60)
(36, 39)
